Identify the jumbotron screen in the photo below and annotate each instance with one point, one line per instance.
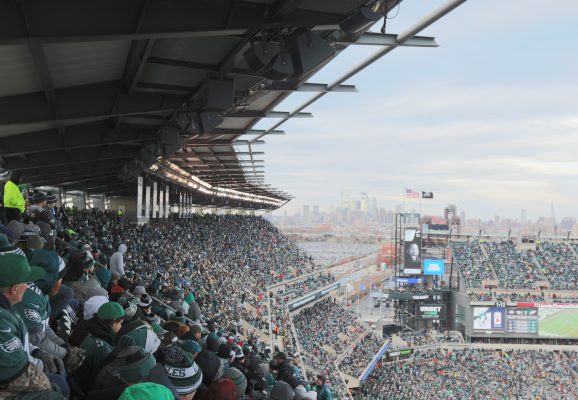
(537, 319)
(558, 322)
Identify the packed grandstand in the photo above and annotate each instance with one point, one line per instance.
(209, 298)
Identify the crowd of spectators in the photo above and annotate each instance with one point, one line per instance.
(326, 324)
(360, 355)
(474, 374)
(99, 334)
(470, 261)
(421, 337)
(485, 296)
(559, 265)
(515, 270)
(514, 297)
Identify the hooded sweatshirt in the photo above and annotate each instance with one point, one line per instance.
(98, 345)
(117, 260)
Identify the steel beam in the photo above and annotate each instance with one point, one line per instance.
(82, 156)
(389, 39)
(238, 132)
(97, 102)
(107, 20)
(402, 38)
(269, 114)
(75, 137)
(280, 86)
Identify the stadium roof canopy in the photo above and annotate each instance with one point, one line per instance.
(95, 93)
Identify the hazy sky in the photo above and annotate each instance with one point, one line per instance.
(487, 121)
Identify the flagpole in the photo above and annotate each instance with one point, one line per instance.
(420, 196)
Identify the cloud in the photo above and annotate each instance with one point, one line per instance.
(488, 121)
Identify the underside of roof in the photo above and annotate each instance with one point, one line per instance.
(93, 94)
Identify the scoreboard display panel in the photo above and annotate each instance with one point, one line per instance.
(522, 320)
(539, 320)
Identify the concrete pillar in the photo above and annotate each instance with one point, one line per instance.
(139, 198)
(161, 203)
(147, 202)
(167, 203)
(155, 199)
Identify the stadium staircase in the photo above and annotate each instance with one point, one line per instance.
(573, 250)
(487, 260)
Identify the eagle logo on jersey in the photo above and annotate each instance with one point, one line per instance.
(33, 315)
(11, 345)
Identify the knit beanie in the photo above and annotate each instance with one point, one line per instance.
(238, 379)
(179, 317)
(213, 342)
(182, 370)
(146, 391)
(190, 346)
(189, 298)
(145, 301)
(92, 305)
(132, 363)
(282, 391)
(139, 290)
(141, 334)
(110, 310)
(130, 306)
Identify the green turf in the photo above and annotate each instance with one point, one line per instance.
(562, 323)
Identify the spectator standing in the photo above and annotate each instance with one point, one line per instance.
(13, 201)
(117, 260)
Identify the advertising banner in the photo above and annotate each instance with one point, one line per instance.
(429, 311)
(489, 319)
(433, 267)
(412, 252)
(311, 297)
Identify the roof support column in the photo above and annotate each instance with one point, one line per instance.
(147, 202)
(155, 200)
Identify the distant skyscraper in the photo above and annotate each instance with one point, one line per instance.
(523, 216)
(373, 208)
(463, 218)
(315, 213)
(306, 213)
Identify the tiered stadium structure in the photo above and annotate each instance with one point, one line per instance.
(148, 109)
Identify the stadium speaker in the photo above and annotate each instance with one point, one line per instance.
(219, 94)
(147, 157)
(309, 50)
(169, 140)
(359, 20)
(269, 60)
(209, 120)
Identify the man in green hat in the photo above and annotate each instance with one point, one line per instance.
(99, 343)
(34, 309)
(19, 372)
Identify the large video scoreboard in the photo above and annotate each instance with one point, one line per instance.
(539, 320)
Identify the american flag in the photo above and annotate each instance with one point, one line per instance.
(411, 194)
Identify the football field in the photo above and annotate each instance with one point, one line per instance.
(562, 323)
